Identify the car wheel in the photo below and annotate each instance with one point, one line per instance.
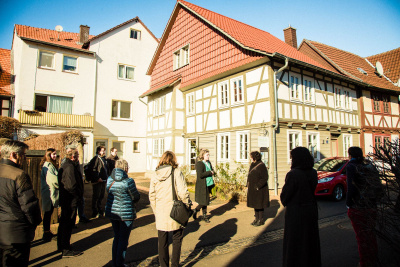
(338, 192)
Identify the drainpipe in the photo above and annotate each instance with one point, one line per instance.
(277, 124)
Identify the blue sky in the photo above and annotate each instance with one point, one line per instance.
(363, 27)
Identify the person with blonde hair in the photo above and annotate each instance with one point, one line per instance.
(49, 189)
(120, 208)
(161, 200)
(204, 183)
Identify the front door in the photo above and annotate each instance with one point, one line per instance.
(335, 147)
(192, 154)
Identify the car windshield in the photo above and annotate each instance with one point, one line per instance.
(329, 165)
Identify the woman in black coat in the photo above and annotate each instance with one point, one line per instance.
(204, 169)
(257, 188)
(301, 246)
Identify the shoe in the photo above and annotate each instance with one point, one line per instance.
(71, 253)
(48, 236)
(259, 223)
(195, 214)
(254, 222)
(101, 214)
(84, 220)
(95, 215)
(205, 219)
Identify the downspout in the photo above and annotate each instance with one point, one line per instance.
(277, 124)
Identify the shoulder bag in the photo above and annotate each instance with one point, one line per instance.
(180, 212)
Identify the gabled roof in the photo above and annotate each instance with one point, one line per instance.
(119, 26)
(5, 73)
(390, 61)
(246, 36)
(51, 37)
(159, 87)
(348, 64)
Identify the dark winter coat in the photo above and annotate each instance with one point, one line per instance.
(111, 163)
(122, 196)
(301, 244)
(257, 182)
(70, 183)
(98, 169)
(19, 207)
(202, 194)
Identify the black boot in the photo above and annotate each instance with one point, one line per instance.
(195, 214)
(204, 218)
(254, 222)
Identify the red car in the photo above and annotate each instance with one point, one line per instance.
(331, 177)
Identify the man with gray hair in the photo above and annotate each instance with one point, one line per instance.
(20, 211)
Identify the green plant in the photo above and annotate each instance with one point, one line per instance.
(189, 178)
(231, 183)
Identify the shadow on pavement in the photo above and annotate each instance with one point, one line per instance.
(224, 208)
(56, 258)
(226, 230)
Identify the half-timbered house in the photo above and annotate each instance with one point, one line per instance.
(220, 84)
(378, 95)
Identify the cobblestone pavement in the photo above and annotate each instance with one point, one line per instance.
(193, 256)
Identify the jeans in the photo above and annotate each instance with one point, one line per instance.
(15, 254)
(98, 195)
(120, 243)
(163, 253)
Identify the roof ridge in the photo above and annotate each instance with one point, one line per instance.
(336, 48)
(5, 49)
(390, 51)
(45, 29)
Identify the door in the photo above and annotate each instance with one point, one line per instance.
(192, 154)
(335, 147)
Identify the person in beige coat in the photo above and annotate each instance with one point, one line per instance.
(161, 201)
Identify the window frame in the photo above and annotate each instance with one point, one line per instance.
(300, 138)
(293, 77)
(191, 103)
(227, 147)
(139, 34)
(381, 101)
(222, 96)
(347, 146)
(181, 57)
(317, 134)
(159, 106)
(121, 150)
(3, 108)
(125, 72)
(233, 93)
(40, 60)
(311, 92)
(76, 67)
(119, 110)
(48, 104)
(239, 146)
(138, 147)
(382, 137)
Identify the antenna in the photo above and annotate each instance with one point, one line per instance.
(59, 29)
(379, 68)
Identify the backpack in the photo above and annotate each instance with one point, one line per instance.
(369, 185)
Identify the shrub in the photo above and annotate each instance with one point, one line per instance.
(8, 126)
(231, 183)
(189, 178)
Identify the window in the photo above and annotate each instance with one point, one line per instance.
(181, 57)
(135, 34)
(158, 146)
(381, 140)
(121, 110)
(191, 109)
(192, 154)
(381, 102)
(313, 145)
(46, 60)
(69, 64)
(136, 148)
(223, 93)
(308, 91)
(237, 88)
(223, 145)
(159, 106)
(347, 142)
(294, 140)
(125, 72)
(294, 88)
(5, 107)
(120, 148)
(338, 98)
(347, 99)
(53, 104)
(243, 140)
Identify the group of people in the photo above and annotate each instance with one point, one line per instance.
(63, 187)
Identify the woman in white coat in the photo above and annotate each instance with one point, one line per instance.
(161, 201)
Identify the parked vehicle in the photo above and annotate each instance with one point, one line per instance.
(331, 177)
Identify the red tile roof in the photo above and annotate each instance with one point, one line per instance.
(348, 63)
(159, 87)
(5, 73)
(66, 39)
(390, 61)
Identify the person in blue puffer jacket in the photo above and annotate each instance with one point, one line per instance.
(120, 208)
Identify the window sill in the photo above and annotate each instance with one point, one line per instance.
(344, 110)
(119, 119)
(156, 116)
(190, 114)
(308, 103)
(180, 67)
(128, 80)
(44, 68)
(136, 151)
(297, 101)
(224, 107)
(237, 104)
(71, 72)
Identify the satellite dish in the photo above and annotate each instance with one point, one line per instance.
(59, 28)
(379, 68)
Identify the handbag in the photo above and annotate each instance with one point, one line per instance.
(180, 212)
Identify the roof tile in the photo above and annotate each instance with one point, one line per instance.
(390, 61)
(5, 74)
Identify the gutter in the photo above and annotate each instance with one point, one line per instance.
(277, 124)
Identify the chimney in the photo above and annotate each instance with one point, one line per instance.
(290, 36)
(83, 34)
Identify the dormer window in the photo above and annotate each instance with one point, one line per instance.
(135, 34)
(181, 57)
